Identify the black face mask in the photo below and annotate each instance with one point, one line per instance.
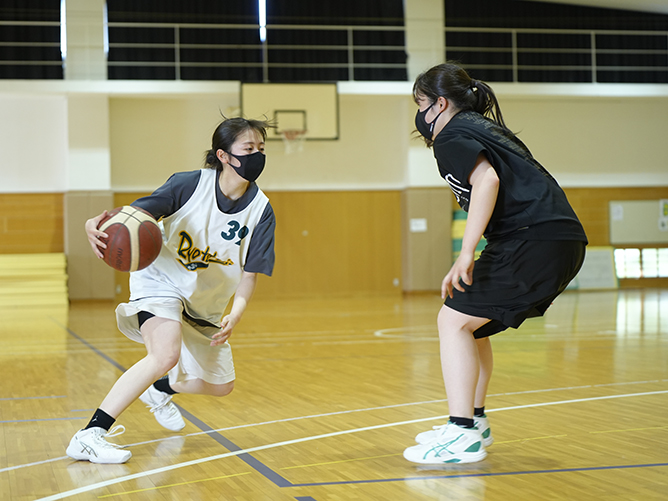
(251, 165)
(425, 128)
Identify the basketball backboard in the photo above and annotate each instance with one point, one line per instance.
(310, 107)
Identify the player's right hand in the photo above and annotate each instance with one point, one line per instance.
(462, 270)
(94, 234)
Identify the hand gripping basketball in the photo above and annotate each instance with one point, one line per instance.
(133, 238)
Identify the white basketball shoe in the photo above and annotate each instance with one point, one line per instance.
(482, 423)
(165, 412)
(452, 445)
(90, 445)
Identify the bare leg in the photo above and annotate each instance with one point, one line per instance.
(460, 359)
(162, 338)
(486, 366)
(201, 387)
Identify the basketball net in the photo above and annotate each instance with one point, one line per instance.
(293, 140)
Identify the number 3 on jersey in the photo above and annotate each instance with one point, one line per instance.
(235, 231)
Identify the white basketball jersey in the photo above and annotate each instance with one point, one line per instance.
(203, 253)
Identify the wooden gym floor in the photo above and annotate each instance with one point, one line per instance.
(330, 391)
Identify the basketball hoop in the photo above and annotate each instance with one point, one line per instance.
(293, 140)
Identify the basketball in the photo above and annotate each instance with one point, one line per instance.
(134, 238)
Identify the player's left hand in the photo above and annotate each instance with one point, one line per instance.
(226, 326)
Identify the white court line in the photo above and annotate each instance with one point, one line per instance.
(350, 411)
(36, 463)
(298, 418)
(406, 334)
(383, 407)
(33, 398)
(99, 485)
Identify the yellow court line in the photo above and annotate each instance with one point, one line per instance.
(337, 462)
(591, 432)
(285, 443)
(172, 485)
(633, 429)
(527, 439)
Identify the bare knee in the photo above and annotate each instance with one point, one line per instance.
(162, 338)
(221, 390)
(453, 322)
(165, 361)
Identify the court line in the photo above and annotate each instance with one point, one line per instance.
(32, 398)
(44, 419)
(106, 483)
(93, 348)
(254, 463)
(173, 485)
(384, 407)
(36, 463)
(530, 439)
(474, 475)
(229, 445)
(312, 416)
(526, 335)
(285, 420)
(341, 461)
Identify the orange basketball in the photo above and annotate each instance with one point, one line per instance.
(134, 238)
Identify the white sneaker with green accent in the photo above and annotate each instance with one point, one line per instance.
(482, 423)
(90, 445)
(452, 445)
(165, 412)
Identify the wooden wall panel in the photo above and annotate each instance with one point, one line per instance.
(592, 207)
(336, 243)
(89, 277)
(427, 255)
(31, 223)
(327, 243)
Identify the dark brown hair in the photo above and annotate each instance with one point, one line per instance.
(227, 133)
(452, 82)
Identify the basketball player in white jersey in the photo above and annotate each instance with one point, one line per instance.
(218, 234)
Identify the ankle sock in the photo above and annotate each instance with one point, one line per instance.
(100, 419)
(162, 385)
(479, 411)
(462, 421)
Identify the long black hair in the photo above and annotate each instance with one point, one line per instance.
(452, 82)
(227, 133)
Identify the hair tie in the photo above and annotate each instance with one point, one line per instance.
(474, 85)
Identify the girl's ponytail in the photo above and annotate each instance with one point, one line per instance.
(486, 103)
(452, 82)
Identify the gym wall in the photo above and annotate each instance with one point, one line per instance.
(345, 194)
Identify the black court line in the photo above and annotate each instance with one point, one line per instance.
(474, 475)
(232, 447)
(262, 469)
(279, 481)
(88, 345)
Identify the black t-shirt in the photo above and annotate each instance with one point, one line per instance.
(178, 189)
(530, 204)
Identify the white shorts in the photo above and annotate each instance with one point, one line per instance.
(198, 359)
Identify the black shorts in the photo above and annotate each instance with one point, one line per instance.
(143, 316)
(517, 279)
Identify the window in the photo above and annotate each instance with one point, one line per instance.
(641, 263)
(30, 45)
